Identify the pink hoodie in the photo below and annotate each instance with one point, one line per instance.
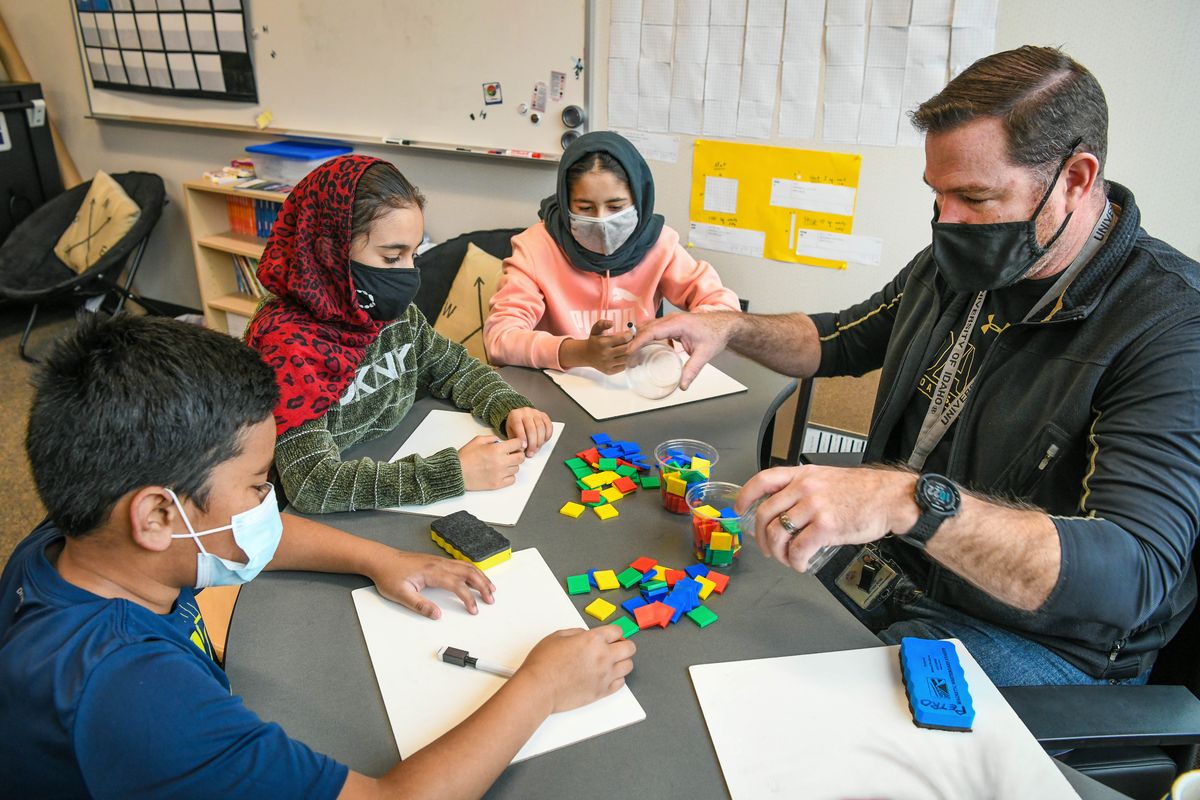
(542, 299)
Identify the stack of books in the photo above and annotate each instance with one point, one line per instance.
(244, 270)
(251, 217)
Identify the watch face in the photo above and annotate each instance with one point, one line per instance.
(938, 495)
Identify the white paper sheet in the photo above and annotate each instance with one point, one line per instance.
(116, 67)
(838, 725)
(846, 12)
(883, 86)
(722, 82)
(843, 84)
(759, 81)
(930, 12)
(656, 42)
(607, 396)
(658, 12)
(802, 38)
(823, 198)
(622, 93)
(928, 46)
(975, 13)
(687, 116)
(762, 45)
(797, 120)
(890, 12)
(95, 59)
(441, 429)
(624, 40)
(728, 12)
(687, 81)
(654, 147)
(127, 31)
(888, 47)
(720, 118)
(230, 36)
(798, 82)
(107, 28)
(654, 78)
(877, 125)
(90, 30)
(174, 31)
(691, 47)
(839, 246)
(725, 44)
(691, 13)
(840, 123)
(845, 44)
(425, 697)
(720, 194)
(200, 32)
(968, 45)
(739, 241)
(135, 68)
(160, 74)
(654, 114)
(212, 78)
(754, 119)
(626, 11)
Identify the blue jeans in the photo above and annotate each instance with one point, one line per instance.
(1008, 659)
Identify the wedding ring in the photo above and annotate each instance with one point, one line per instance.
(788, 528)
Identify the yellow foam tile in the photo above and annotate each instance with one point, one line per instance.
(606, 579)
(600, 608)
(593, 481)
(701, 465)
(572, 510)
(676, 485)
(660, 572)
(707, 586)
(721, 541)
(612, 494)
(707, 511)
(605, 511)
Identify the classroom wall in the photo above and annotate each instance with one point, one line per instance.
(1146, 61)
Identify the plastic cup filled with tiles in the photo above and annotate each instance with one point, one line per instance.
(716, 528)
(654, 371)
(682, 463)
(747, 523)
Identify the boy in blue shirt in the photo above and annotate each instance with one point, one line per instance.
(150, 442)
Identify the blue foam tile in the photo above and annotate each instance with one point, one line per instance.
(633, 603)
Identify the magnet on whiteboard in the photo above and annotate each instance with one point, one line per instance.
(523, 109)
(535, 118)
(573, 116)
(567, 138)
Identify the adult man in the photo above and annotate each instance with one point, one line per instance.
(150, 442)
(1040, 368)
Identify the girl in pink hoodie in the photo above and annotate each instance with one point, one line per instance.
(599, 260)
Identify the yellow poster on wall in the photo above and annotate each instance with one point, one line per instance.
(781, 203)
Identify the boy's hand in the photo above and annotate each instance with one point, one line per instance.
(401, 576)
(605, 353)
(576, 667)
(488, 463)
(531, 427)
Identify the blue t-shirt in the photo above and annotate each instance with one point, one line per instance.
(105, 698)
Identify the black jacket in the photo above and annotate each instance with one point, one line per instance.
(1093, 416)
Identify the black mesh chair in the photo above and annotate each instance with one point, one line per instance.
(30, 272)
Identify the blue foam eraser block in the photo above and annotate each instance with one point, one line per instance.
(937, 691)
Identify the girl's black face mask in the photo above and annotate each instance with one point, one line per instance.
(384, 294)
(976, 258)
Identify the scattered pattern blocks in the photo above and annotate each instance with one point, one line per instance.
(656, 604)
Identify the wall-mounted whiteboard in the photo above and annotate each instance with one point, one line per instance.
(409, 70)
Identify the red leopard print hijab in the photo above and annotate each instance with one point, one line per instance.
(312, 332)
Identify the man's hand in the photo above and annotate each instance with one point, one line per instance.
(401, 576)
(827, 506)
(488, 463)
(576, 667)
(531, 427)
(605, 353)
(702, 335)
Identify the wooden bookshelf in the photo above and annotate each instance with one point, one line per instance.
(213, 244)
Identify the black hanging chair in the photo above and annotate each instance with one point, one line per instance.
(31, 273)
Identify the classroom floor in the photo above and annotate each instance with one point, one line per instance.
(20, 509)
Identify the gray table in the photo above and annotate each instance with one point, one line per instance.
(296, 653)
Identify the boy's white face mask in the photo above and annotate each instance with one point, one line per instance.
(604, 234)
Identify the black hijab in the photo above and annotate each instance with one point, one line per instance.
(641, 185)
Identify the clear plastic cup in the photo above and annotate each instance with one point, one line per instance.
(747, 523)
(708, 544)
(654, 371)
(667, 465)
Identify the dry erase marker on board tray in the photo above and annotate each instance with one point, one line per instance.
(523, 153)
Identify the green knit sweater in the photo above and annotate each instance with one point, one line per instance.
(407, 357)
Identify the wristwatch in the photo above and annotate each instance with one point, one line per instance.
(938, 500)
